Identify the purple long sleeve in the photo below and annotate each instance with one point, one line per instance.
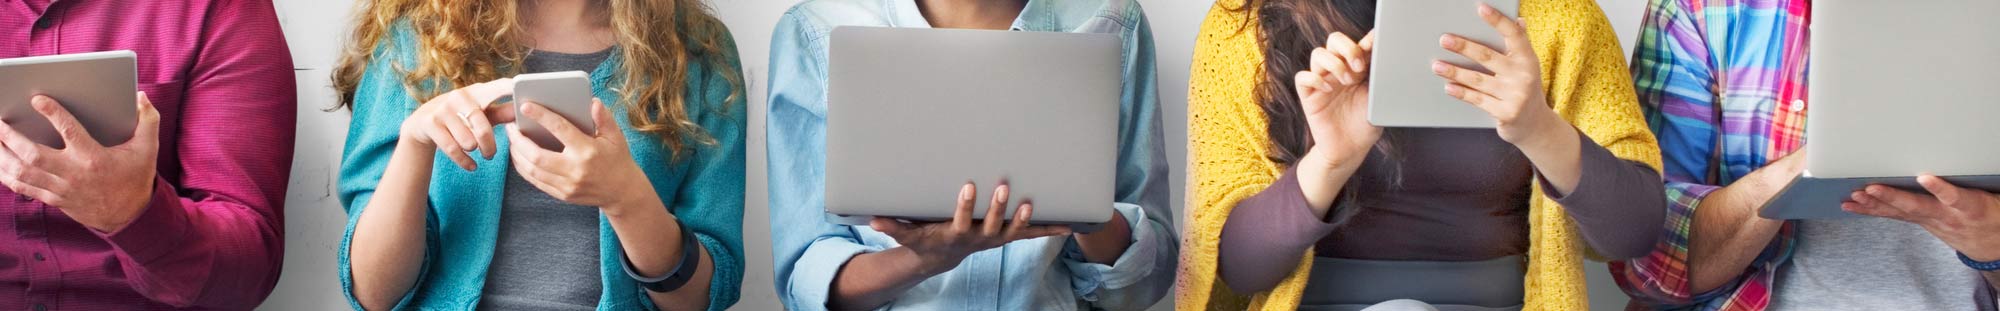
(212, 236)
(1448, 195)
(1266, 234)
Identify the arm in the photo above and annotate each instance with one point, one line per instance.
(213, 237)
(1601, 163)
(712, 199)
(1268, 235)
(1129, 264)
(808, 250)
(1704, 250)
(384, 183)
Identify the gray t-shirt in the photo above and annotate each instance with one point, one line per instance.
(547, 253)
(1874, 264)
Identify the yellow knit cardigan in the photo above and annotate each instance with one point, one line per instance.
(1588, 84)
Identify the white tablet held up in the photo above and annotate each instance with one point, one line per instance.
(1403, 92)
(99, 88)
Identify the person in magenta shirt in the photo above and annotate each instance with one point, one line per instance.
(188, 214)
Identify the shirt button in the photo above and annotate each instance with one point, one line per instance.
(1798, 104)
(38, 257)
(45, 22)
(41, 307)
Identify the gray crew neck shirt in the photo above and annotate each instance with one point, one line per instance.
(547, 253)
(1875, 264)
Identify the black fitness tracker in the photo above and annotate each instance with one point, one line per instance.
(679, 276)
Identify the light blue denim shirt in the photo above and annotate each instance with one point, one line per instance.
(1037, 274)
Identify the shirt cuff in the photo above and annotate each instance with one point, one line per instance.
(159, 229)
(1130, 268)
(813, 274)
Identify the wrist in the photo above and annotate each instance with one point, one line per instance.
(930, 264)
(1552, 131)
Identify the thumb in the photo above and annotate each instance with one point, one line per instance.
(148, 131)
(607, 126)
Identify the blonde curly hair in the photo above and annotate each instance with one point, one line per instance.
(462, 42)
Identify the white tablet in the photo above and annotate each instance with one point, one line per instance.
(566, 93)
(1403, 92)
(99, 88)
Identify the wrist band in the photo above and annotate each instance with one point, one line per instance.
(679, 276)
(1988, 266)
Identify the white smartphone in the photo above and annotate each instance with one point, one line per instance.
(99, 88)
(567, 93)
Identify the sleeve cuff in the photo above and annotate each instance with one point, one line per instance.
(812, 276)
(1130, 268)
(160, 228)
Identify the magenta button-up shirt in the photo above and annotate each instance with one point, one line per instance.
(212, 237)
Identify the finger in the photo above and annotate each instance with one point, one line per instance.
(1911, 204)
(461, 133)
(486, 92)
(1309, 85)
(148, 132)
(564, 132)
(480, 128)
(993, 223)
(961, 216)
(1470, 96)
(520, 141)
(438, 133)
(72, 131)
(28, 189)
(18, 145)
(1368, 42)
(1462, 76)
(1330, 67)
(1474, 51)
(1946, 193)
(22, 176)
(1512, 31)
(1349, 51)
(500, 113)
(1022, 216)
(888, 226)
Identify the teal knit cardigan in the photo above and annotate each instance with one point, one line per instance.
(704, 187)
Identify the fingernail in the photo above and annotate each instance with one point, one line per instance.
(965, 193)
(1438, 67)
(1452, 89)
(1873, 190)
(1447, 41)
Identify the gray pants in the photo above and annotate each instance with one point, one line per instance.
(1379, 285)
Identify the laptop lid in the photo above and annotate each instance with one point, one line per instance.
(1900, 88)
(912, 114)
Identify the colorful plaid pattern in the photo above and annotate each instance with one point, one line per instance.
(1748, 59)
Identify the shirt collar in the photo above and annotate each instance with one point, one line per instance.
(1034, 17)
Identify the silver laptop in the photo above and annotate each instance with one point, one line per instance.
(1403, 92)
(100, 89)
(913, 114)
(1890, 100)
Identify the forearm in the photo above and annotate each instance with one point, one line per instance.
(1556, 155)
(1107, 243)
(1726, 234)
(391, 229)
(1266, 235)
(651, 238)
(871, 280)
(1321, 176)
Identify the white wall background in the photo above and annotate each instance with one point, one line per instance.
(314, 219)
